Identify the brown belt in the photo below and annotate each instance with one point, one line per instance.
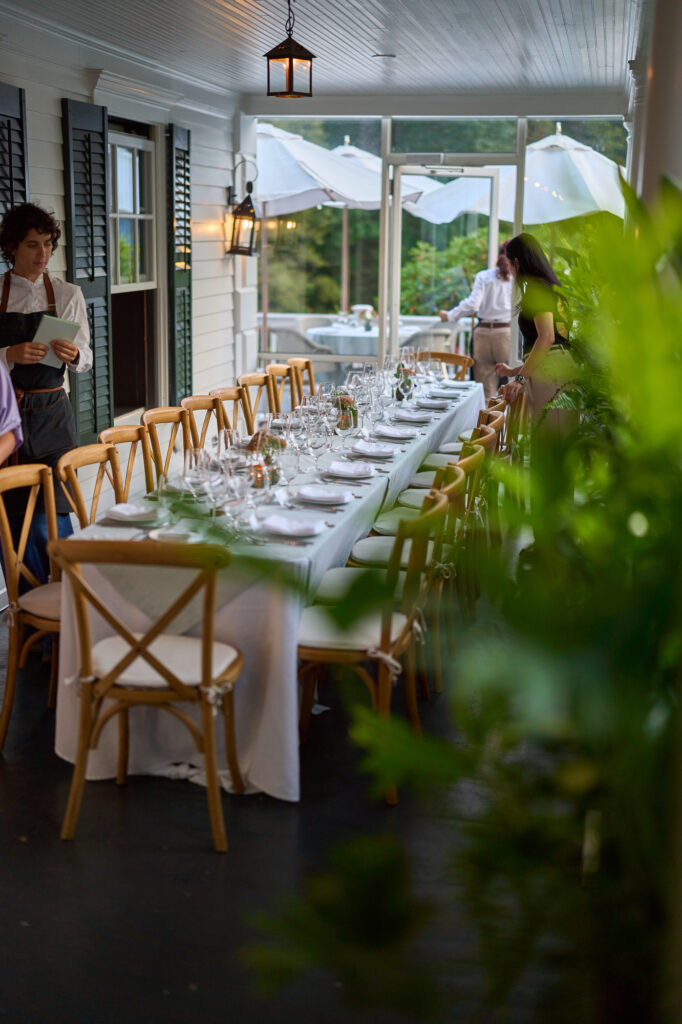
(491, 323)
(20, 392)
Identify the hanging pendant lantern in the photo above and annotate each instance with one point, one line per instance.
(290, 65)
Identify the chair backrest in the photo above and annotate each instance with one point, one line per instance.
(463, 363)
(484, 436)
(303, 368)
(426, 528)
(438, 339)
(235, 396)
(451, 481)
(282, 373)
(213, 415)
(471, 461)
(207, 560)
(493, 418)
(514, 426)
(105, 457)
(287, 339)
(135, 435)
(257, 386)
(36, 477)
(178, 420)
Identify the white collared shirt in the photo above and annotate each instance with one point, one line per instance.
(30, 297)
(490, 298)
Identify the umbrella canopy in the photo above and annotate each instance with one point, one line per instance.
(294, 175)
(563, 178)
(412, 185)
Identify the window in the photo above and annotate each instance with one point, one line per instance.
(131, 213)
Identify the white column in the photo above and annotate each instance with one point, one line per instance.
(635, 123)
(662, 154)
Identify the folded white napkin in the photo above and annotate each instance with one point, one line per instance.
(351, 470)
(126, 512)
(369, 448)
(291, 527)
(97, 532)
(432, 403)
(413, 416)
(457, 384)
(324, 494)
(444, 392)
(397, 433)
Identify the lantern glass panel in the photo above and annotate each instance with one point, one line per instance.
(244, 229)
(278, 75)
(301, 81)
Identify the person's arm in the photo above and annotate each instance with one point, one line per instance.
(77, 354)
(8, 445)
(469, 305)
(544, 323)
(11, 434)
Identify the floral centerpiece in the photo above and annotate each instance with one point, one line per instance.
(266, 444)
(346, 406)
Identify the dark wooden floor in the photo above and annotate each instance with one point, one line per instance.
(138, 919)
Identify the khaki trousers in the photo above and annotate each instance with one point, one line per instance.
(554, 371)
(491, 345)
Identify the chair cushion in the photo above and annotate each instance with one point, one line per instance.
(387, 523)
(413, 497)
(318, 630)
(465, 435)
(451, 448)
(45, 601)
(377, 551)
(424, 479)
(182, 655)
(336, 583)
(437, 460)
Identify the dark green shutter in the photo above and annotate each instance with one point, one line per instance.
(179, 264)
(87, 252)
(13, 150)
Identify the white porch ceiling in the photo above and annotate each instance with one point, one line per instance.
(441, 46)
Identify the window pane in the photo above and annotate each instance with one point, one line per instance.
(455, 135)
(145, 268)
(124, 179)
(126, 250)
(142, 167)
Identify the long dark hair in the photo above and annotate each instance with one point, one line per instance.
(502, 262)
(533, 264)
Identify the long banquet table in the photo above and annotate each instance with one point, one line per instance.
(257, 616)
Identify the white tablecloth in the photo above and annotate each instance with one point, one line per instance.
(352, 341)
(259, 618)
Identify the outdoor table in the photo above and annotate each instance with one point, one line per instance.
(256, 616)
(350, 340)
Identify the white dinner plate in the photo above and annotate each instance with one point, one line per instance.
(374, 449)
(282, 526)
(174, 534)
(412, 416)
(433, 403)
(349, 470)
(321, 494)
(126, 512)
(394, 432)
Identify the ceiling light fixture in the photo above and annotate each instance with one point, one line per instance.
(290, 65)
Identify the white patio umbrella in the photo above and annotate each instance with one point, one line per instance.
(563, 178)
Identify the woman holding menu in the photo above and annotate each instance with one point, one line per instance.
(28, 237)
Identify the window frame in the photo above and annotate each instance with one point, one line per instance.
(147, 146)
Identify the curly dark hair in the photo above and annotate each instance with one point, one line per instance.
(17, 223)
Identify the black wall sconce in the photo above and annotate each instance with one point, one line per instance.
(240, 220)
(290, 65)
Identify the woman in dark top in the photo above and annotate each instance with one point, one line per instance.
(543, 370)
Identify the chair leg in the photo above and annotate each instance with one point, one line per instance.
(54, 671)
(230, 743)
(78, 776)
(213, 792)
(410, 688)
(436, 612)
(424, 688)
(308, 678)
(123, 747)
(384, 687)
(10, 683)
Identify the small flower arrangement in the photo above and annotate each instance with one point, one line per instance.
(266, 443)
(368, 319)
(404, 381)
(346, 406)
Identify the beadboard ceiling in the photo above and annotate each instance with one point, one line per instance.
(440, 46)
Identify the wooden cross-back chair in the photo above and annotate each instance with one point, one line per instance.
(232, 402)
(382, 637)
(463, 363)
(105, 457)
(515, 427)
(212, 409)
(135, 436)
(283, 374)
(472, 528)
(256, 387)
(177, 419)
(32, 605)
(304, 376)
(156, 669)
(494, 420)
(451, 482)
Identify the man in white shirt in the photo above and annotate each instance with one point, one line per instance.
(490, 298)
